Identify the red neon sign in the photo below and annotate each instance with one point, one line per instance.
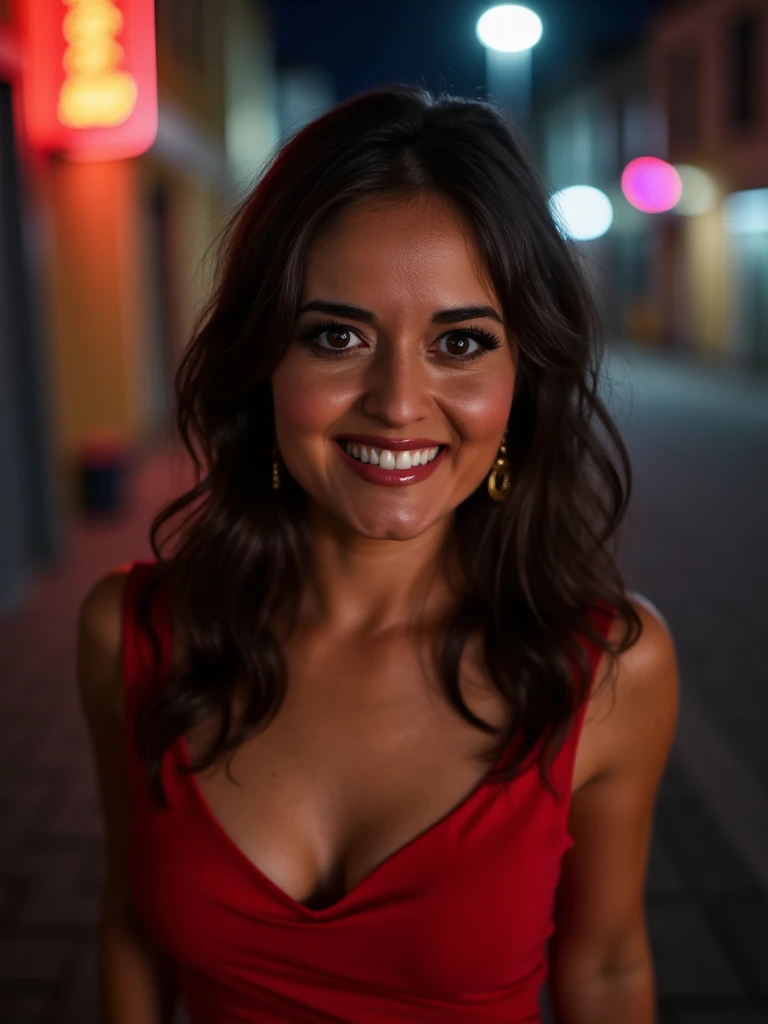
(90, 79)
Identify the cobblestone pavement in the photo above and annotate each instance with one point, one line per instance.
(708, 913)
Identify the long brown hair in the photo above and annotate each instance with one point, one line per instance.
(536, 566)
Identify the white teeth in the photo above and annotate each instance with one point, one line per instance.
(391, 460)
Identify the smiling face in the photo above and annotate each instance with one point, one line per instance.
(407, 369)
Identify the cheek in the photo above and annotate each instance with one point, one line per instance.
(307, 402)
(482, 412)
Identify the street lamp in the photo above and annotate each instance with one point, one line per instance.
(509, 32)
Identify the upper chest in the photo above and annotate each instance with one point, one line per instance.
(365, 754)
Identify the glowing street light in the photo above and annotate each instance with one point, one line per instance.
(581, 212)
(509, 32)
(509, 28)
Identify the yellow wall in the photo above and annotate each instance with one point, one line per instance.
(199, 217)
(96, 303)
(97, 311)
(707, 280)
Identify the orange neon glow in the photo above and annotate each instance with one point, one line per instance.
(90, 87)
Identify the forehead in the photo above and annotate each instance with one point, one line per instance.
(420, 252)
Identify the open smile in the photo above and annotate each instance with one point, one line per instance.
(390, 467)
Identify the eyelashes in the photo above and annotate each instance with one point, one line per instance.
(486, 340)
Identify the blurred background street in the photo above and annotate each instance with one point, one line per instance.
(649, 121)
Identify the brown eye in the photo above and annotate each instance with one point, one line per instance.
(458, 344)
(469, 343)
(341, 338)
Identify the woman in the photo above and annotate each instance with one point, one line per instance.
(393, 727)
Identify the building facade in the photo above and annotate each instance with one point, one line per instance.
(695, 93)
(708, 63)
(103, 268)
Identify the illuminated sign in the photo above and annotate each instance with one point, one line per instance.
(95, 92)
(90, 83)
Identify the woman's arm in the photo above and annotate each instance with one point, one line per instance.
(135, 978)
(601, 969)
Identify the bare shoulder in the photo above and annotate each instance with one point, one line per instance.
(630, 725)
(99, 646)
(635, 705)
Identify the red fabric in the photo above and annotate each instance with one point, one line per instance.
(452, 928)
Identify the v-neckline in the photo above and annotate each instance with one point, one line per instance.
(341, 905)
(352, 895)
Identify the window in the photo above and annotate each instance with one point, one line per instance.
(684, 98)
(743, 72)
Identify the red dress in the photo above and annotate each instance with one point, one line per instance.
(451, 928)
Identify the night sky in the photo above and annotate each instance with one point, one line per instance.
(365, 43)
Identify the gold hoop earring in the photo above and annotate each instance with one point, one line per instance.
(500, 479)
(275, 474)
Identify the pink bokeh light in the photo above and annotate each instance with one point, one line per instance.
(651, 185)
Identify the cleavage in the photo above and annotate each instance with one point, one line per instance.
(346, 776)
(356, 799)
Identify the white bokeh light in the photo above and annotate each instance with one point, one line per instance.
(700, 192)
(509, 28)
(746, 213)
(581, 212)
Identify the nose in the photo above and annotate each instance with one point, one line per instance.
(397, 388)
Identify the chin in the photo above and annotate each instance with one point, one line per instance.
(376, 518)
(383, 525)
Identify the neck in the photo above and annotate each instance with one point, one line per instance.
(367, 587)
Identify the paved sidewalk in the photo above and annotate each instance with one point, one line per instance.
(51, 851)
(708, 917)
(695, 543)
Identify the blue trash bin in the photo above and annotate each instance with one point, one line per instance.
(103, 467)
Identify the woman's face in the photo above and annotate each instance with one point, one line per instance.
(392, 369)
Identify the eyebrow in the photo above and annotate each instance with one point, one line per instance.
(443, 316)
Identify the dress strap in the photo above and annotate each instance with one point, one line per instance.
(142, 674)
(140, 669)
(600, 618)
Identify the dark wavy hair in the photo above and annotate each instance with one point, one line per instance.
(535, 566)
